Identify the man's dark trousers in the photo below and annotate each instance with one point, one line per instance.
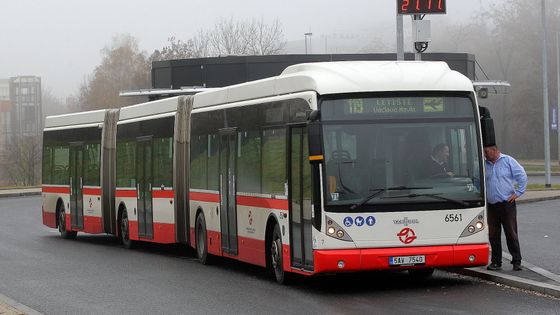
(503, 214)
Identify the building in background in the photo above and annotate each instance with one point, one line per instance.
(21, 123)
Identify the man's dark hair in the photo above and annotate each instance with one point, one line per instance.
(438, 148)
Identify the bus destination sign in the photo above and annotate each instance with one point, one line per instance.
(421, 6)
(395, 105)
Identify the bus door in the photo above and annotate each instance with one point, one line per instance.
(144, 186)
(76, 185)
(228, 209)
(299, 183)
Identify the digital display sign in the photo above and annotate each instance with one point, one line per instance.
(421, 6)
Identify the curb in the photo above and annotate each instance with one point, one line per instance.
(19, 194)
(537, 199)
(17, 307)
(513, 281)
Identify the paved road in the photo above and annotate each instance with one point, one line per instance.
(539, 234)
(94, 275)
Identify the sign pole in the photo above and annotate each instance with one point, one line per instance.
(545, 100)
(400, 37)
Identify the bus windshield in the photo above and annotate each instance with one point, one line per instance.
(401, 153)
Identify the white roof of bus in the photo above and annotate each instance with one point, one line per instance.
(81, 118)
(162, 106)
(344, 77)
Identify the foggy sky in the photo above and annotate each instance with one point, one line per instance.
(60, 40)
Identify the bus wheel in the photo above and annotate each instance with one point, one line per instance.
(124, 231)
(276, 259)
(62, 224)
(421, 273)
(201, 240)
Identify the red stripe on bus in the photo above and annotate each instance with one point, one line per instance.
(93, 225)
(164, 233)
(49, 219)
(378, 258)
(125, 193)
(207, 197)
(280, 204)
(163, 193)
(59, 190)
(251, 250)
(92, 191)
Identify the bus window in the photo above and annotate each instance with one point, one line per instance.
(126, 163)
(92, 161)
(60, 170)
(199, 161)
(213, 162)
(274, 161)
(249, 161)
(163, 162)
(47, 164)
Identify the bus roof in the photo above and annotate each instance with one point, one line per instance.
(166, 105)
(81, 118)
(344, 77)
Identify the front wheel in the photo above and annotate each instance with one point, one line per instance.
(201, 240)
(276, 260)
(62, 225)
(124, 231)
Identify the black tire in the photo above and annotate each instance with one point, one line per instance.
(124, 231)
(62, 224)
(276, 260)
(421, 273)
(201, 240)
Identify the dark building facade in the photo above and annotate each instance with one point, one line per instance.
(224, 71)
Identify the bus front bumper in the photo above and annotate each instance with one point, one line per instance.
(342, 260)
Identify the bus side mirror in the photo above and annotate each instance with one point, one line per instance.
(314, 130)
(487, 127)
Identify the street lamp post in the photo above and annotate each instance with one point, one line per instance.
(307, 35)
(558, 90)
(545, 101)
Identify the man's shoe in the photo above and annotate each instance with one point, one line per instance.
(517, 267)
(494, 267)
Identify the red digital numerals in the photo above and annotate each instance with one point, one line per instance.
(421, 6)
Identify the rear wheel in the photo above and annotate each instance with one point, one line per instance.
(62, 224)
(201, 240)
(276, 260)
(124, 231)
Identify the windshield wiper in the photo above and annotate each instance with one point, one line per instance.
(435, 196)
(377, 191)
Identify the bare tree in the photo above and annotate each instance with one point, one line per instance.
(24, 156)
(507, 43)
(51, 104)
(265, 39)
(123, 67)
(228, 37)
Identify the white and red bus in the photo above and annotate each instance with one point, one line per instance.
(324, 168)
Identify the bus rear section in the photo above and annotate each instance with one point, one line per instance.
(72, 196)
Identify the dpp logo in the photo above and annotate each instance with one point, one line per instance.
(406, 235)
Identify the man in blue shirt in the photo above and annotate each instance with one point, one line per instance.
(502, 172)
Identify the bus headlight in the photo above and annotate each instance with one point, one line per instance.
(336, 231)
(475, 226)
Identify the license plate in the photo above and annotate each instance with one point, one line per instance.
(407, 260)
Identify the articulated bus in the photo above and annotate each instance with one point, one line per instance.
(326, 168)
